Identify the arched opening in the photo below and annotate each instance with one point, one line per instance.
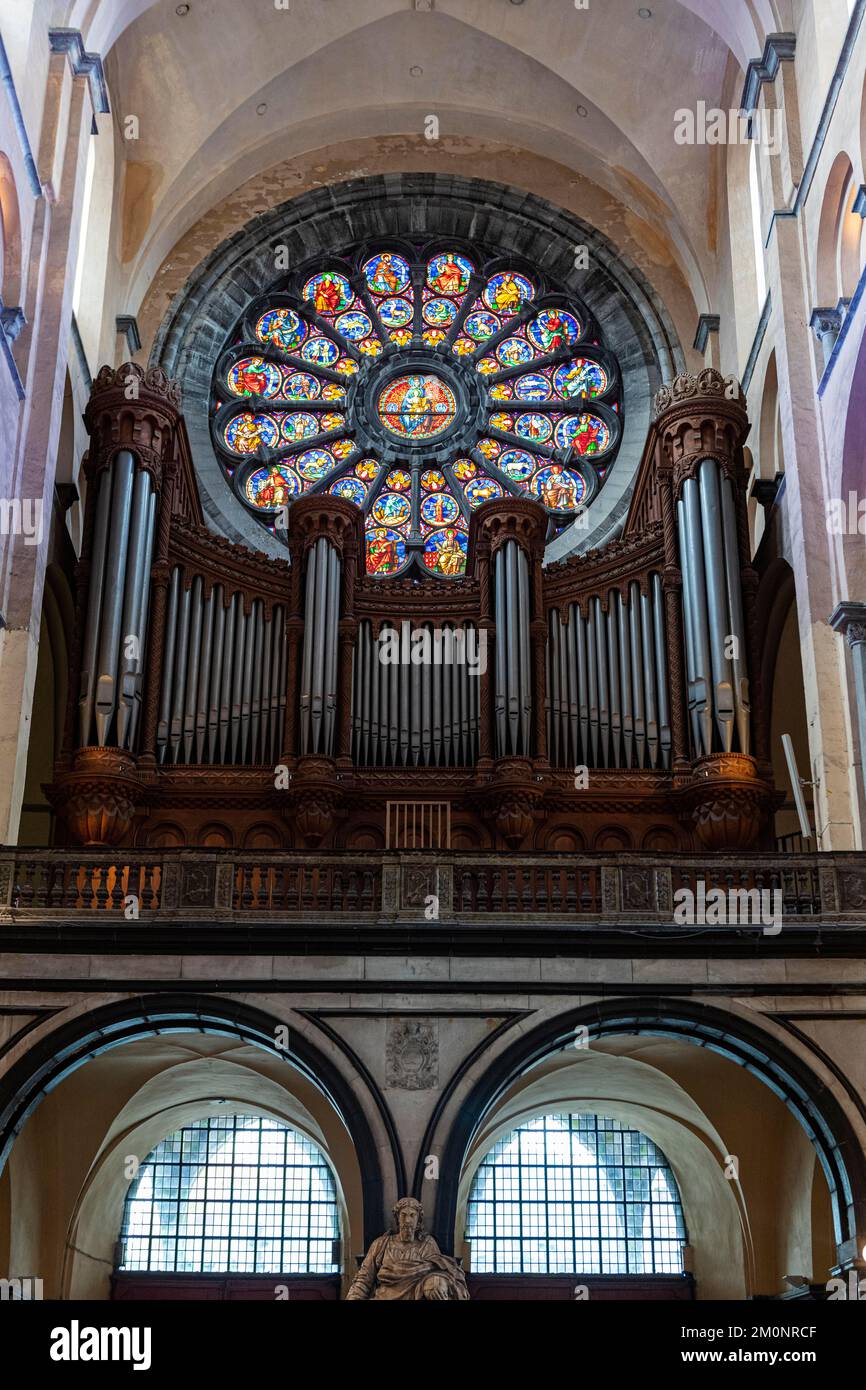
(839, 236)
(112, 1089)
(694, 1081)
(49, 708)
(785, 697)
(575, 1192)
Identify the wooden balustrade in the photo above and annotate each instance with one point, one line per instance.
(608, 890)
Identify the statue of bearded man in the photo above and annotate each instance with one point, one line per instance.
(407, 1263)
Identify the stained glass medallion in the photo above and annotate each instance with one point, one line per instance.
(417, 383)
(417, 406)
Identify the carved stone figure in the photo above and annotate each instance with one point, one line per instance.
(407, 1263)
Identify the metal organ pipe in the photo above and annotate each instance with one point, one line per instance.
(620, 680)
(603, 700)
(192, 669)
(694, 550)
(211, 751)
(318, 698)
(222, 696)
(135, 579)
(717, 600)
(664, 711)
(613, 657)
(737, 626)
(113, 594)
(90, 651)
(203, 689)
(513, 691)
(176, 725)
(165, 698)
(226, 677)
(143, 616)
(713, 607)
(650, 680)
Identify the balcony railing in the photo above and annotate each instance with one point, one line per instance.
(431, 887)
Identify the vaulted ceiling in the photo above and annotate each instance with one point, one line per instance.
(240, 106)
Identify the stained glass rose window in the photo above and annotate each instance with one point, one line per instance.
(417, 382)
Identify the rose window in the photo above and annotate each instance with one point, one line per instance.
(417, 383)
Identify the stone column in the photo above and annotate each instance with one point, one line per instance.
(850, 619)
(807, 488)
(62, 157)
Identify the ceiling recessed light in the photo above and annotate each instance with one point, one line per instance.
(416, 72)
(645, 12)
(582, 111)
(517, 2)
(182, 10)
(261, 108)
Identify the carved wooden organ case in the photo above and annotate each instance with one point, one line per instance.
(606, 702)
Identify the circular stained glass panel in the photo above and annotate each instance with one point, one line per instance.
(445, 552)
(438, 509)
(253, 376)
(558, 488)
(395, 313)
(386, 550)
(417, 406)
(329, 292)
(449, 273)
(391, 509)
(272, 487)
(351, 488)
(245, 433)
(387, 273)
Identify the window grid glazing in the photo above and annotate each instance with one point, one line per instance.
(575, 1194)
(232, 1193)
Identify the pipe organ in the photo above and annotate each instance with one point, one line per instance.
(222, 692)
(112, 662)
(513, 667)
(715, 637)
(319, 663)
(607, 681)
(305, 695)
(415, 696)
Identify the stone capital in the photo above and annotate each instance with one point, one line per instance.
(850, 619)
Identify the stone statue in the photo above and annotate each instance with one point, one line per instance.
(407, 1263)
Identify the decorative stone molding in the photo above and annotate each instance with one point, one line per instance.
(778, 49)
(707, 324)
(83, 64)
(127, 328)
(850, 619)
(412, 1054)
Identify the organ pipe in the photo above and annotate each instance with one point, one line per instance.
(411, 711)
(713, 607)
(318, 697)
(223, 677)
(611, 664)
(513, 694)
(115, 632)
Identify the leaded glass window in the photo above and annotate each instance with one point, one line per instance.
(575, 1194)
(417, 381)
(237, 1193)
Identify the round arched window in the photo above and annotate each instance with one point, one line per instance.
(576, 1194)
(417, 381)
(237, 1193)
